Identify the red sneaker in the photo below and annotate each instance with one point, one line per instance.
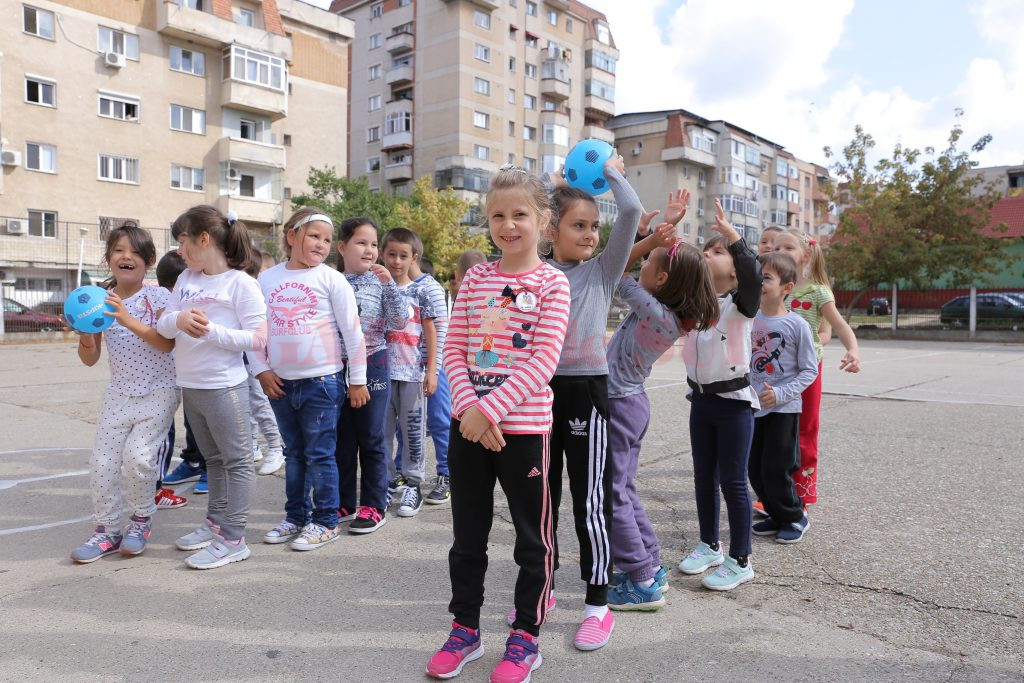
(167, 499)
(461, 648)
(522, 658)
(759, 509)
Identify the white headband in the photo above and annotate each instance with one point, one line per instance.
(314, 217)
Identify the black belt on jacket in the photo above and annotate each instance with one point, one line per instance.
(722, 387)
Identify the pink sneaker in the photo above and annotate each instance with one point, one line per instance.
(594, 633)
(512, 615)
(462, 647)
(522, 658)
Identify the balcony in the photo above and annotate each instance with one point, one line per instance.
(399, 43)
(398, 140)
(398, 171)
(554, 89)
(557, 4)
(594, 44)
(241, 150)
(687, 153)
(251, 209)
(486, 4)
(598, 106)
(598, 133)
(204, 28)
(399, 75)
(399, 106)
(557, 116)
(255, 98)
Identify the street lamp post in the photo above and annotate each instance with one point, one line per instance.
(83, 231)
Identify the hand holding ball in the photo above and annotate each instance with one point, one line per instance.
(84, 309)
(584, 167)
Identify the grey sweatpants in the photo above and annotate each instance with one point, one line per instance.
(408, 413)
(219, 419)
(262, 417)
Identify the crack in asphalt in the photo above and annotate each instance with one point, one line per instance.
(61, 584)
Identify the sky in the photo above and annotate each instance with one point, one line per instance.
(803, 73)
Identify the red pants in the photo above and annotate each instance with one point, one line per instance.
(806, 478)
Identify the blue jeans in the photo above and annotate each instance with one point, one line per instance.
(361, 440)
(439, 420)
(307, 417)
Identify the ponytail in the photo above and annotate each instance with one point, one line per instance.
(227, 232)
(237, 243)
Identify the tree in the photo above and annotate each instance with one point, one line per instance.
(342, 198)
(912, 218)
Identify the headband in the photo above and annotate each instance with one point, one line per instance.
(314, 217)
(674, 248)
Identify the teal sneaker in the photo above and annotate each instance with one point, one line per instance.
(728, 576)
(629, 596)
(701, 559)
(660, 579)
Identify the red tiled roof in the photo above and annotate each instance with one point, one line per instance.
(341, 5)
(1009, 210)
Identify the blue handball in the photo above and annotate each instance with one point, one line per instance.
(84, 309)
(584, 167)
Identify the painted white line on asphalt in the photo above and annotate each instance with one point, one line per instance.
(11, 483)
(44, 450)
(48, 525)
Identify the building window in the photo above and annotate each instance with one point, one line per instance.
(531, 71)
(482, 19)
(187, 178)
(112, 40)
(793, 196)
(404, 3)
(568, 25)
(246, 17)
(551, 163)
(38, 22)
(187, 61)
(188, 120)
(481, 152)
(604, 36)
(40, 91)
(373, 134)
(529, 164)
(374, 72)
(531, 40)
(398, 122)
(42, 223)
(553, 17)
(373, 103)
(600, 89)
(375, 41)
(242, 64)
(512, 128)
(512, 64)
(529, 133)
(556, 134)
(372, 164)
(482, 52)
(600, 60)
(481, 86)
(529, 101)
(686, 228)
(794, 173)
(377, 11)
(481, 120)
(531, 8)
(705, 142)
(120, 107)
(511, 95)
(287, 140)
(40, 157)
(254, 129)
(191, 4)
(118, 169)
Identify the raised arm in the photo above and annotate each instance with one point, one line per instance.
(748, 268)
(616, 253)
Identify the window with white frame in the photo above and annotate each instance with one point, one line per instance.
(254, 129)
(37, 22)
(686, 228)
(779, 192)
(529, 133)
(187, 61)
(481, 120)
(481, 86)
(119, 169)
(750, 208)
(481, 52)
(188, 120)
(551, 163)
(731, 202)
(112, 40)
(753, 156)
(529, 164)
(41, 91)
(376, 40)
(120, 107)
(600, 60)
(605, 91)
(702, 140)
(250, 66)
(531, 40)
(780, 167)
(739, 150)
(191, 4)
(482, 152)
(398, 122)
(511, 95)
(373, 134)
(777, 217)
(531, 8)
(604, 35)
(377, 10)
(372, 164)
(482, 19)
(531, 70)
(529, 101)
(42, 223)
(556, 134)
(793, 196)
(40, 157)
(246, 17)
(553, 17)
(373, 103)
(187, 178)
(794, 173)
(374, 72)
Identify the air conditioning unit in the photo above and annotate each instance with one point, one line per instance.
(113, 59)
(17, 226)
(10, 158)
(702, 183)
(234, 174)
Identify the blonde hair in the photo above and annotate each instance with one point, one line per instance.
(816, 268)
(515, 178)
(293, 224)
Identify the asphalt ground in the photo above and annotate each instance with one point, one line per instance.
(908, 572)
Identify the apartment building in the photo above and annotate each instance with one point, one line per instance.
(758, 181)
(113, 110)
(456, 88)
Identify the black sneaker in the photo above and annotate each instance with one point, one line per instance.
(766, 527)
(793, 532)
(442, 491)
(367, 520)
(397, 483)
(412, 501)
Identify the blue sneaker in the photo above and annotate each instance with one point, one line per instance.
(201, 486)
(183, 473)
(136, 535)
(102, 542)
(660, 578)
(766, 527)
(728, 576)
(793, 532)
(630, 596)
(701, 559)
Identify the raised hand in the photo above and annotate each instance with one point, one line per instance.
(617, 162)
(722, 226)
(665, 235)
(381, 272)
(645, 222)
(676, 207)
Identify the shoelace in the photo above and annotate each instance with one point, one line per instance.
(315, 531)
(135, 529)
(368, 512)
(410, 496)
(98, 538)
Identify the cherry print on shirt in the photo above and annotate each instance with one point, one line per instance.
(796, 303)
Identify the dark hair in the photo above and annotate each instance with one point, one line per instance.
(168, 268)
(231, 237)
(141, 241)
(427, 266)
(403, 236)
(562, 199)
(714, 241)
(350, 225)
(781, 264)
(255, 264)
(688, 291)
(468, 259)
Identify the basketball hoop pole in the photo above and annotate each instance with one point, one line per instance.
(81, 252)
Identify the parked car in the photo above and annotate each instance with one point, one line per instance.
(998, 308)
(20, 318)
(50, 308)
(879, 305)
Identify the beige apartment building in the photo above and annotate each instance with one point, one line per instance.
(453, 89)
(759, 182)
(138, 109)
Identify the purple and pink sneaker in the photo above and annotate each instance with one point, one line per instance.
(461, 648)
(522, 658)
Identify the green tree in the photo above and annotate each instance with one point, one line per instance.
(912, 218)
(342, 198)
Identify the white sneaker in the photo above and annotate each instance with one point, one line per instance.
(257, 454)
(273, 462)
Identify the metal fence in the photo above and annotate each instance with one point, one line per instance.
(969, 308)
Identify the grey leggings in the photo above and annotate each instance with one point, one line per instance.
(219, 419)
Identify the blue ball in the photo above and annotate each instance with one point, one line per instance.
(84, 309)
(584, 167)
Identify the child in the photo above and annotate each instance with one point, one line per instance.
(412, 378)
(308, 303)
(138, 405)
(673, 297)
(580, 384)
(766, 244)
(215, 313)
(361, 430)
(783, 364)
(168, 268)
(505, 337)
(467, 260)
(261, 416)
(721, 421)
(813, 301)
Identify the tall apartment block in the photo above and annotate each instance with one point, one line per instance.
(138, 109)
(453, 89)
(758, 181)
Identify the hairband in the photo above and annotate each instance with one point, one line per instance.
(812, 242)
(232, 217)
(674, 248)
(314, 217)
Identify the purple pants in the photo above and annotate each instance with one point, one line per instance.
(635, 547)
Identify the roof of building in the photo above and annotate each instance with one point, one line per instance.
(1009, 210)
(575, 7)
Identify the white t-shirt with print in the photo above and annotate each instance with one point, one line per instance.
(136, 366)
